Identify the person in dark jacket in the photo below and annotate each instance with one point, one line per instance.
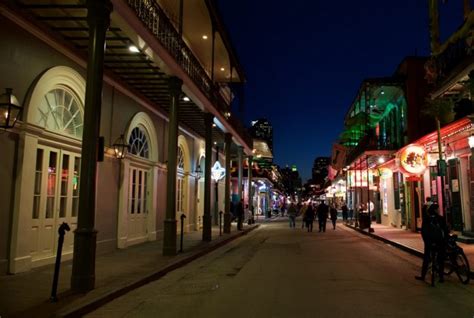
(434, 232)
(333, 213)
(345, 211)
(239, 210)
(323, 210)
(309, 218)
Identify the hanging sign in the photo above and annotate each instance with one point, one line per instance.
(217, 172)
(414, 160)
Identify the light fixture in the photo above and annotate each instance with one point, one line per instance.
(186, 99)
(215, 142)
(381, 160)
(10, 109)
(214, 125)
(382, 92)
(133, 48)
(120, 147)
(222, 69)
(204, 37)
(198, 172)
(470, 140)
(227, 115)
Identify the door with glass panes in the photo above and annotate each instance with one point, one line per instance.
(55, 200)
(138, 203)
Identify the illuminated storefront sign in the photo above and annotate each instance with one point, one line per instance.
(414, 160)
(217, 172)
(358, 178)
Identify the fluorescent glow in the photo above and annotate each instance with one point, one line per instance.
(133, 48)
(186, 99)
(217, 172)
(204, 37)
(470, 140)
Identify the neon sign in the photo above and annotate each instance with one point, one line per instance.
(414, 159)
(217, 172)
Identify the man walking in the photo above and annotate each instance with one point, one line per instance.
(323, 211)
(292, 214)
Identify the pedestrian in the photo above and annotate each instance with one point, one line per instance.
(333, 213)
(292, 215)
(309, 218)
(434, 232)
(344, 212)
(323, 210)
(302, 213)
(239, 210)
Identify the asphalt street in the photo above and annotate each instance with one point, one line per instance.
(280, 272)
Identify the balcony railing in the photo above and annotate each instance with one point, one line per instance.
(367, 143)
(155, 19)
(455, 54)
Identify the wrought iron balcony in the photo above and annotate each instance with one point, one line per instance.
(454, 55)
(155, 19)
(368, 142)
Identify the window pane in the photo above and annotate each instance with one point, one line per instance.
(49, 207)
(76, 177)
(65, 175)
(62, 207)
(75, 206)
(36, 204)
(52, 173)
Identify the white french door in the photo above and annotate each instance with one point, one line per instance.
(138, 202)
(55, 200)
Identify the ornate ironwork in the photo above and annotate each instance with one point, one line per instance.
(155, 19)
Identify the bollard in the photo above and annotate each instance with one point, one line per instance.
(182, 217)
(220, 223)
(61, 231)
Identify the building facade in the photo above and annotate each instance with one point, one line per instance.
(159, 93)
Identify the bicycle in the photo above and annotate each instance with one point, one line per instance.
(456, 260)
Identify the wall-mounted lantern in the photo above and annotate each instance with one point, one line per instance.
(10, 109)
(120, 147)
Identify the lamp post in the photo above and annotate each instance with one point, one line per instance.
(10, 109)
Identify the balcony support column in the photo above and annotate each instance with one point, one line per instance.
(85, 236)
(227, 215)
(249, 174)
(207, 226)
(169, 235)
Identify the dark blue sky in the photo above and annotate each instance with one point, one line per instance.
(304, 61)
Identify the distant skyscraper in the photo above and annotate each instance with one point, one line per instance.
(320, 169)
(262, 129)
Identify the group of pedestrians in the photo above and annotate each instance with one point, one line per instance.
(308, 214)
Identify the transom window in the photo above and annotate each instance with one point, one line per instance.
(180, 158)
(139, 145)
(60, 110)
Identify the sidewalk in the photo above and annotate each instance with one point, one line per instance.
(27, 294)
(408, 241)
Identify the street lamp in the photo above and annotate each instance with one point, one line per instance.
(10, 109)
(120, 147)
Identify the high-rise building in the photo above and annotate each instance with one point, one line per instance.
(320, 170)
(262, 129)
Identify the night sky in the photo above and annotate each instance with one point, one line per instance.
(304, 61)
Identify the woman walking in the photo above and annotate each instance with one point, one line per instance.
(309, 217)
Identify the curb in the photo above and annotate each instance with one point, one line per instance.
(82, 310)
(405, 248)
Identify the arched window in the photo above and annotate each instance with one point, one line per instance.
(139, 145)
(180, 158)
(61, 111)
